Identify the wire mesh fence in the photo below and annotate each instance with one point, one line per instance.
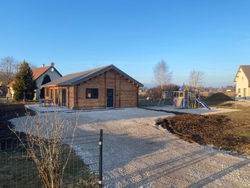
(84, 166)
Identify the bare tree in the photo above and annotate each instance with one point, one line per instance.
(8, 68)
(162, 75)
(45, 135)
(195, 79)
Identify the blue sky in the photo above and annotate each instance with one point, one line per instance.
(212, 36)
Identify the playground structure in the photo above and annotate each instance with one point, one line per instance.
(184, 98)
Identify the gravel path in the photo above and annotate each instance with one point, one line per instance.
(136, 153)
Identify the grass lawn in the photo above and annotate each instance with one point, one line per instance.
(19, 171)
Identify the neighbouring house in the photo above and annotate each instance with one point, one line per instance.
(3, 89)
(39, 75)
(242, 82)
(102, 87)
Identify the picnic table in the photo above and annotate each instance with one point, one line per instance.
(46, 102)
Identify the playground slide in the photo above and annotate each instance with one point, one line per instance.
(203, 104)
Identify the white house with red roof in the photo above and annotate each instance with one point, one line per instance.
(38, 75)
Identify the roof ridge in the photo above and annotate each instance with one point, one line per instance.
(79, 77)
(41, 67)
(35, 72)
(246, 70)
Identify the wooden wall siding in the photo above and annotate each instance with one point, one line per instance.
(125, 92)
(97, 82)
(71, 97)
(118, 89)
(105, 89)
(128, 94)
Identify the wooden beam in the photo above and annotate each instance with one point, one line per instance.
(68, 96)
(45, 94)
(115, 93)
(59, 96)
(53, 91)
(137, 97)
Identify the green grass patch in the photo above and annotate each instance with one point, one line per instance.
(19, 171)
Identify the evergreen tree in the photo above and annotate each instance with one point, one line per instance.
(46, 80)
(24, 85)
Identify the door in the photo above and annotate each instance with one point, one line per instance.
(63, 97)
(245, 92)
(51, 94)
(110, 97)
(56, 96)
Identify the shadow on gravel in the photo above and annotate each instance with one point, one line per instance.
(163, 169)
(219, 174)
(119, 150)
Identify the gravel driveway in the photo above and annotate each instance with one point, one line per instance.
(136, 153)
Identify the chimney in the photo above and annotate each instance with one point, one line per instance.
(52, 64)
(43, 65)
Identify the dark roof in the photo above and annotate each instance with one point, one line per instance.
(77, 78)
(246, 70)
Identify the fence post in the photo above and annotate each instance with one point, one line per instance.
(100, 158)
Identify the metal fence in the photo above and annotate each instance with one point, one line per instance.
(84, 167)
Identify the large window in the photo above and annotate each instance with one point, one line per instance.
(91, 93)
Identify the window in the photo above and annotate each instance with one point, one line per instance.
(47, 92)
(51, 93)
(91, 93)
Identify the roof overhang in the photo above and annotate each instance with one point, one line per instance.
(111, 67)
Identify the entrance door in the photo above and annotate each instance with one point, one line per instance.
(56, 96)
(63, 97)
(110, 97)
(245, 92)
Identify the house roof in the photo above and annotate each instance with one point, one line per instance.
(77, 78)
(37, 72)
(246, 70)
